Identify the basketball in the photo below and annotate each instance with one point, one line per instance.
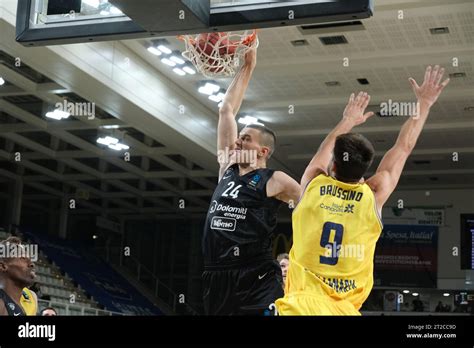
(214, 46)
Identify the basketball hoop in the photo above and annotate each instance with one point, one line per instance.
(218, 54)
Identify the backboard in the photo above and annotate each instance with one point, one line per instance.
(49, 22)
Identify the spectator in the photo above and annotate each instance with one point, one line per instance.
(48, 312)
(439, 307)
(418, 306)
(284, 261)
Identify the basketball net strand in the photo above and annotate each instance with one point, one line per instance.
(221, 58)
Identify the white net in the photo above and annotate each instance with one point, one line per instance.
(218, 54)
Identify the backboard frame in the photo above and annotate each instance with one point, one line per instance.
(225, 18)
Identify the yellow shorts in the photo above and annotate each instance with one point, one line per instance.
(308, 304)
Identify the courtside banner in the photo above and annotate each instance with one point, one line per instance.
(406, 256)
(429, 331)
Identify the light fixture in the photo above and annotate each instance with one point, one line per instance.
(112, 143)
(246, 120)
(446, 294)
(209, 88)
(2, 81)
(415, 294)
(57, 114)
(107, 140)
(111, 126)
(189, 70)
(94, 237)
(164, 49)
(168, 62)
(218, 97)
(176, 57)
(406, 291)
(119, 147)
(154, 50)
(179, 71)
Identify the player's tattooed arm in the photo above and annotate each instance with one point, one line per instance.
(283, 187)
(385, 180)
(227, 131)
(354, 115)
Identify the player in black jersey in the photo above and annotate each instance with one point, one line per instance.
(16, 273)
(240, 275)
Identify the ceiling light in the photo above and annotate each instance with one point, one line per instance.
(446, 294)
(246, 120)
(415, 294)
(168, 62)
(179, 71)
(217, 97)
(2, 81)
(154, 50)
(107, 140)
(119, 147)
(164, 49)
(177, 59)
(209, 88)
(189, 70)
(58, 114)
(111, 126)
(94, 237)
(406, 291)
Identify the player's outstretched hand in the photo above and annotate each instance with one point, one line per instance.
(355, 109)
(432, 87)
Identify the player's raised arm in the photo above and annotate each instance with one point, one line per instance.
(388, 173)
(227, 126)
(284, 187)
(354, 114)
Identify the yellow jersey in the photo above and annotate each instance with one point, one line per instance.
(336, 226)
(29, 302)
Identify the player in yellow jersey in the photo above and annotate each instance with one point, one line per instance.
(336, 223)
(29, 302)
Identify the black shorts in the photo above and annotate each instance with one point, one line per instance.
(247, 290)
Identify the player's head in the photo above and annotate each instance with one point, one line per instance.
(353, 154)
(284, 261)
(48, 312)
(15, 265)
(258, 140)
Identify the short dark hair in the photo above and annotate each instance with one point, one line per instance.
(353, 155)
(268, 137)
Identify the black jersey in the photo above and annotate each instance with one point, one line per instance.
(240, 220)
(13, 309)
